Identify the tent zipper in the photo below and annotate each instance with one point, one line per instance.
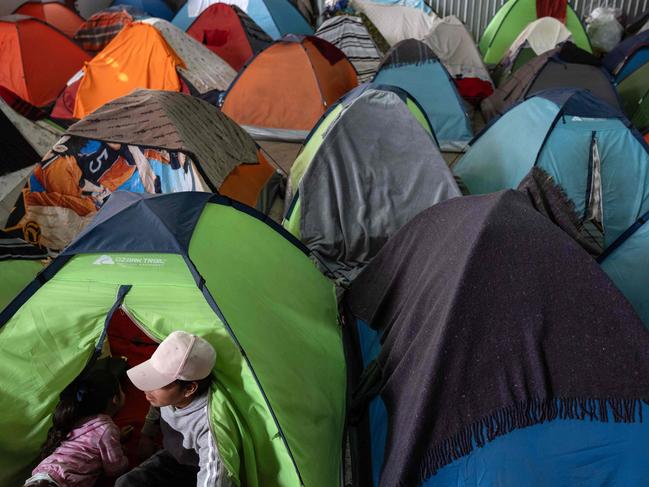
(138, 324)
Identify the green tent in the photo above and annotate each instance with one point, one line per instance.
(634, 91)
(19, 264)
(204, 264)
(510, 21)
(16, 274)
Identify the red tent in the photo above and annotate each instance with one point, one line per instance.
(37, 59)
(230, 33)
(54, 13)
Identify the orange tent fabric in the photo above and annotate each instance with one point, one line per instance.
(290, 85)
(37, 60)
(138, 57)
(246, 182)
(55, 14)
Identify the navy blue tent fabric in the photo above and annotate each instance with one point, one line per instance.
(491, 319)
(616, 60)
(581, 103)
(141, 223)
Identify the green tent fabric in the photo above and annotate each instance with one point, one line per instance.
(16, 274)
(510, 21)
(634, 91)
(204, 264)
(20, 262)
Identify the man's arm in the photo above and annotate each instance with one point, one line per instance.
(212, 472)
(148, 444)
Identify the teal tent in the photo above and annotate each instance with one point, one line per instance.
(584, 144)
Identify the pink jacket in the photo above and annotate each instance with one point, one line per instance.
(88, 450)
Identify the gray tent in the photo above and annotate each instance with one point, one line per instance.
(564, 67)
(350, 35)
(366, 169)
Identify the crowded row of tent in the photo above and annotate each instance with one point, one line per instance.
(397, 295)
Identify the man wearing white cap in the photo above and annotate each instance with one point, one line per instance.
(176, 381)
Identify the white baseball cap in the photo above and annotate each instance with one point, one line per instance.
(180, 356)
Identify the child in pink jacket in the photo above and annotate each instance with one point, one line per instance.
(83, 442)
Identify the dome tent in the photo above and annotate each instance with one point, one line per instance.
(413, 66)
(276, 17)
(100, 28)
(195, 275)
(378, 137)
(150, 54)
(453, 45)
(146, 142)
(634, 92)
(155, 8)
(540, 36)
(349, 34)
(19, 265)
(53, 13)
(515, 15)
(283, 91)
(628, 56)
(37, 59)
(566, 66)
(228, 32)
(586, 146)
(470, 364)
(396, 22)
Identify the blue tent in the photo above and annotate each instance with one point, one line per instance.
(412, 66)
(276, 17)
(626, 262)
(628, 56)
(444, 328)
(588, 147)
(155, 8)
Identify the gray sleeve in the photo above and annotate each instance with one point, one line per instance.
(212, 472)
(151, 425)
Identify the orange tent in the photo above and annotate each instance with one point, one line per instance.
(37, 60)
(646, 137)
(288, 87)
(54, 13)
(246, 182)
(138, 57)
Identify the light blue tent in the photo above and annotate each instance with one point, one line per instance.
(155, 8)
(276, 17)
(588, 147)
(412, 66)
(626, 262)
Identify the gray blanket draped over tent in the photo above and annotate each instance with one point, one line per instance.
(492, 319)
(377, 169)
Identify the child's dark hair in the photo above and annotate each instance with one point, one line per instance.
(86, 396)
(203, 384)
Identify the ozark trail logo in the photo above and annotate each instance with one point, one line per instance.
(138, 261)
(104, 259)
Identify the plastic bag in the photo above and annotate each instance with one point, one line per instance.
(604, 29)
